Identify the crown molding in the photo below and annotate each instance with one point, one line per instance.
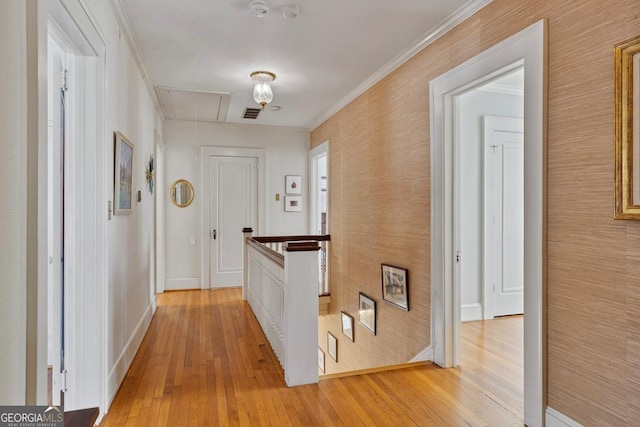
(125, 27)
(456, 18)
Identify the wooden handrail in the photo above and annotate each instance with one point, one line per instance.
(309, 238)
(266, 251)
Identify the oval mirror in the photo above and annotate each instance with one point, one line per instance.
(181, 193)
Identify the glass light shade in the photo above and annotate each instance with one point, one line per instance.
(262, 93)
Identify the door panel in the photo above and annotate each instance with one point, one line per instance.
(233, 205)
(504, 217)
(510, 280)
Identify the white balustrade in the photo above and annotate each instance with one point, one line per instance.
(282, 291)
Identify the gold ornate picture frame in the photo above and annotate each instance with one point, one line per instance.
(627, 129)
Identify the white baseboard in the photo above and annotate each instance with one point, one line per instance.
(119, 370)
(471, 312)
(554, 418)
(182, 284)
(424, 356)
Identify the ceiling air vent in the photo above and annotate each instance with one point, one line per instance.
(251, 113)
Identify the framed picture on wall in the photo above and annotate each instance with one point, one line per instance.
(347, 324)
(627, 129)
(123, 175)
(332, 346)
(367, 313)
(293, 203)
(293, 184)
(395, 286)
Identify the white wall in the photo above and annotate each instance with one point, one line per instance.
(130, 110)
(472, 106)
(287, 151)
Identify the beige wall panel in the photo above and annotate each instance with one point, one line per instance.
(379, 156)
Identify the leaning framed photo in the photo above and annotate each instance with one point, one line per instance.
(395, 286)
(332, 346)
(123, 175)
(347, 324)
(293, 184)
(367, 313)
(627, 129)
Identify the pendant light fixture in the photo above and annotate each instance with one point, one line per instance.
(262, 92)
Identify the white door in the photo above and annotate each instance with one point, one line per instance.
(504, 217)
(233, 205)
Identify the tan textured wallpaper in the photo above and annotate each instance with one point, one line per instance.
(379, 206)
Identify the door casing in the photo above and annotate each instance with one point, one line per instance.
(528, 48)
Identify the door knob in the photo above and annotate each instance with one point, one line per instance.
(215, 234)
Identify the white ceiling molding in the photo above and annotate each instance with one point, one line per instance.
(130, 37)
(459, 16)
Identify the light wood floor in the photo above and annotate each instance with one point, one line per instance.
(206, 362)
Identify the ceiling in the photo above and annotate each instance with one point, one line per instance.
(323, 58)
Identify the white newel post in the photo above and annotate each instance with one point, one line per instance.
(301, 313)
(247, 232)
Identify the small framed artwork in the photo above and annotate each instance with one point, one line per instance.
(123, 175)
(332, 346)
(321, 360)
(293, 203)
(347, 324)
(293, 184)
(395, 286)
(367, 313)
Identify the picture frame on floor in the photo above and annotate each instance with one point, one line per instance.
(321, 360)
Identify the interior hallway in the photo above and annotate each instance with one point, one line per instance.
(206, 362)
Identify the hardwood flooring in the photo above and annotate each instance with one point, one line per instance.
(206, 362)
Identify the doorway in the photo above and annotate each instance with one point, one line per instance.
(58, 64)
(525, 49)
(489, 207)
(489, 201)
(73, 190)
(319, 209)
(232, 184)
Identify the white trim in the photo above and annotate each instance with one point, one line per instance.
(205, 152)
(554, 418)
(425, 355)
(122, 365)
(527, 47)
(471, 312)
(456, 18)
(160, 201)
(183, 284)
(314, 154)
(502, 89)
